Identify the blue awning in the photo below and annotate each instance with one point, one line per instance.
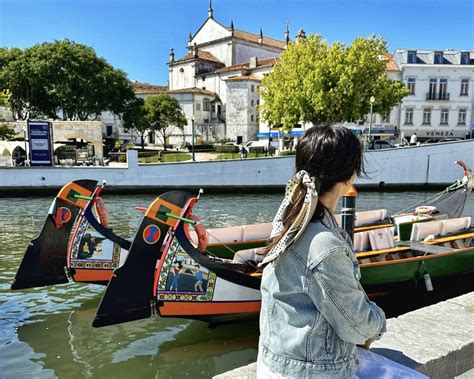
(293, 133)
(271, 134)
(296, 133)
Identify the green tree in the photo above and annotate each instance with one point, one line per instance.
(6, 131)
(62, 76)
(325, 84)
(164, 115)
(134, 118)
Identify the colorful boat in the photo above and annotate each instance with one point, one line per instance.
(193, 283)
(45, 257)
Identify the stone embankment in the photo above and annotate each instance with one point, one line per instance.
(437, 340)
(409, 167)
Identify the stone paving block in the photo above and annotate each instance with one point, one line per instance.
(437, 340)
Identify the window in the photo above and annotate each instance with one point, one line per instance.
(462, 116)
(432, 89)
(411, 57)
(251, 103)
(252, 88)
(411, 85)
(181, 70)
(438, 57)
(206, 105)
(465, 59)
(109, 130)
(251, 117)
(464, 87)
(386, 118)
(426, 116)
(443, 89)
(409, 116)
(444, 116)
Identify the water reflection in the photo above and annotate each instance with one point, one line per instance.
(164, 348)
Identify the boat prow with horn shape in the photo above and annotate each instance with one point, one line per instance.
(46, 255)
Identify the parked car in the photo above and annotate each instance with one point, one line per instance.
(437, 140)
(262, 143)
(380, 144)
(232, 144)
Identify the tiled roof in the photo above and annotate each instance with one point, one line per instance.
(196, 90)
(254, 38)
(147, 88)
(243, 78)
(391, 65)
(268, 62)
(201, 55)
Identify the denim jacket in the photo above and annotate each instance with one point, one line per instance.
(314, 310)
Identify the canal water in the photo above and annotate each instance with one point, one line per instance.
(46, 332)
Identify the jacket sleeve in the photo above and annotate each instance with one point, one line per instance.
(342, 301)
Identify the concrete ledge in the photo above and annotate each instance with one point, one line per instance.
(437, 340)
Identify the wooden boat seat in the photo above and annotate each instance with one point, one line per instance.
(439, 228)
(365, 217)
(252, 232)
(248, 255)
(256, 231)
(454, 225)
(369, 217)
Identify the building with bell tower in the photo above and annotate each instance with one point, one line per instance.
(217, 80)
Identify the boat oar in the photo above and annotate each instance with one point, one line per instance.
(168, 214)
(348, 211)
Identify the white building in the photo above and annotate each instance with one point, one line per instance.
(113, 123)
(441, 96)
(217, 81)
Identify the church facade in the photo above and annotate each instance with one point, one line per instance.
(217, 81)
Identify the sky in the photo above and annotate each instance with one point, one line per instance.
(137, 35)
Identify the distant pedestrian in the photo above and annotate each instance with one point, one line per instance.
(243, 152)
(413, 139)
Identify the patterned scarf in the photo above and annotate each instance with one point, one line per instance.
(302, 219)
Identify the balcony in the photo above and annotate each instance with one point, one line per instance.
(440, 96)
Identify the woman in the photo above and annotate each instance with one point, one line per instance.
(314, 310)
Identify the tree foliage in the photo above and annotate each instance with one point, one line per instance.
(6, 131)
(325, 84)
(62, 77)
(164, 115)
(160, 114)
(134, 118)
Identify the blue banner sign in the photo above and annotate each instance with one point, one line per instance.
(41, 143)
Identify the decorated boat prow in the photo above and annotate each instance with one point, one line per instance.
(129, 293)
(94, 250)
(45, 260)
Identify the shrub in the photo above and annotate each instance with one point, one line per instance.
(226, 149)
(201, 148)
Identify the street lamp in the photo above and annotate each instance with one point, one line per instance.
(192, 136)
(372, 100)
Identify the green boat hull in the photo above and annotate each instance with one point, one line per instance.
(228, 251)
(398, 273)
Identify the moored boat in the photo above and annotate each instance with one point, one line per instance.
(45, 257)
(191, 282)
